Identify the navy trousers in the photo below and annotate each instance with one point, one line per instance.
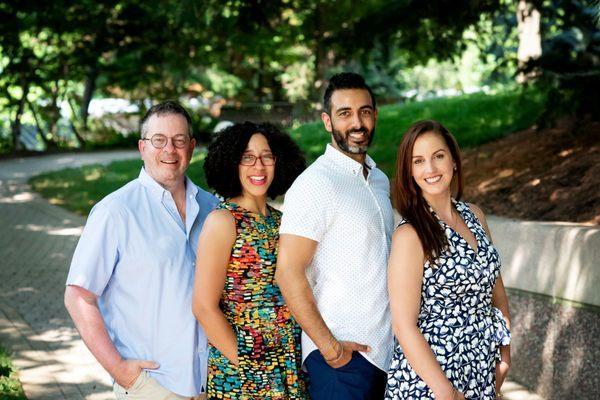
(357, 380)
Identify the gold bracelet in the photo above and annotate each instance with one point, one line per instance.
(338, 357)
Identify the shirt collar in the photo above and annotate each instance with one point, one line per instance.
(154, 187)
(347, 163)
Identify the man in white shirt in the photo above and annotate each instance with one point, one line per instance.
(334, 243)
(129, 287)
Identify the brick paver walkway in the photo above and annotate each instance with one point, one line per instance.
(37, 241)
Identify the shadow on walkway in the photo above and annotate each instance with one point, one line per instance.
(37, 241)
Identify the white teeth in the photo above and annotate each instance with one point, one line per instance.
(257, 178)
(433, 179)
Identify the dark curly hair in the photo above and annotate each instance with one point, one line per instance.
(225, 152)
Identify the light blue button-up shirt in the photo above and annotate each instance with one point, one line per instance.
(137, 255)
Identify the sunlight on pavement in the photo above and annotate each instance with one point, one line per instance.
(51, 230)
(514, 391)
(17, 198)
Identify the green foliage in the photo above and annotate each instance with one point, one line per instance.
(473, 119)
(110, 139)
(249, 49)
(5, 143)
(78, 189)
(570, 60)
(54, 53)
(203, 126)
(10, 387)
(111, 132)
(497, 38)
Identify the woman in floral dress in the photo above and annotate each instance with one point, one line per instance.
(448, 303)
(254, 342)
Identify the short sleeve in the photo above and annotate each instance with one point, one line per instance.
(307, 208)
(96, 253)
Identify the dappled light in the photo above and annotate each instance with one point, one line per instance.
(538, 175)
(93, 175)
(558, 358)
(512, 80)
(36, 244)
(18, 198)
(556, 259)
(51, 230)
(512, 390)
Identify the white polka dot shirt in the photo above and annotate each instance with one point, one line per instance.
(352, 220)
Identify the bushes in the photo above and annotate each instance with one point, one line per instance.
(10, 387)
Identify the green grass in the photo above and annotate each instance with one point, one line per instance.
(473, 119)
(10, 387)
(78, 189)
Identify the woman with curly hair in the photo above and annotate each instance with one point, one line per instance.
(254, 349)
(448, 303)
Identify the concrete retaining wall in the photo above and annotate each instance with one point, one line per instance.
(552, 275)
(552, 258)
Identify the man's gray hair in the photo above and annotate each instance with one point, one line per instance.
(165, 107)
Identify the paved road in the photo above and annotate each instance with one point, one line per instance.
(37, 241)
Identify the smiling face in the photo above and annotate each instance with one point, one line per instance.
(256, 179)
(166, 166)
(432, 165)
(351, 121)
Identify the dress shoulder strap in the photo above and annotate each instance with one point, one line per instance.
(402, 222)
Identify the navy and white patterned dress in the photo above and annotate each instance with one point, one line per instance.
(457, 318)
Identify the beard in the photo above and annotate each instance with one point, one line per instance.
(342, 139)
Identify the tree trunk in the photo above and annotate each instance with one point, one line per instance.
(50, 144)
(88, 92)
(16, 125)
(324, 58)
(53, 110)
(530, 39)
(260, 72)
(79, 138)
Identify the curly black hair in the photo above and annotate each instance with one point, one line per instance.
(225, 152)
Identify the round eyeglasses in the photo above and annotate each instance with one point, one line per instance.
(250, 159)
(159, 141)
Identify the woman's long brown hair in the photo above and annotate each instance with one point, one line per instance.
(407, 196)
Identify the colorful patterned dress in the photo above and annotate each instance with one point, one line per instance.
(268, 337)
(457, 318)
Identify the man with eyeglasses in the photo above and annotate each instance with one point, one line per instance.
(130, 283)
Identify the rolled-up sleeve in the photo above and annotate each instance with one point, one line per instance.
(97, 252)
(307, 208)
